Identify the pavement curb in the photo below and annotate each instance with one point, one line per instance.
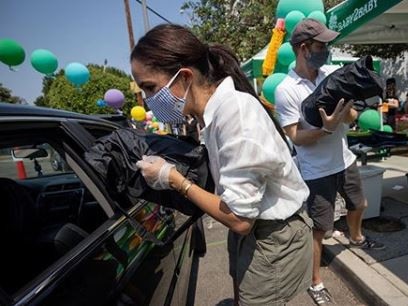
(366, 282)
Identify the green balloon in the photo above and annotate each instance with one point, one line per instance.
(387, 128)
(286, 54)
(11, 53)
(292, 65)
(292, 19)
(44, 61)
(319, 16)
(305, 6)
(369, 119)
(270, 84)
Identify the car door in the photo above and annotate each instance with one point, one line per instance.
(154, 279)
(113, 261)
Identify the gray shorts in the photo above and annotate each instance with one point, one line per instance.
(323, 196)
(274, 262)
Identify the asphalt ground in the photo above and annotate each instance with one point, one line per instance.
(214, 285)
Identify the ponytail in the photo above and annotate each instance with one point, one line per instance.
(223, 63)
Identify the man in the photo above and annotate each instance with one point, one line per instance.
(326, 163)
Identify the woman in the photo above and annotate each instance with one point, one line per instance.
(259, 191)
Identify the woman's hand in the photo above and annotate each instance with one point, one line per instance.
(342, 110)
(156, 171)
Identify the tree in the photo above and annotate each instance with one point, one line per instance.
(246, 25)
(6, 96)
(59, 93)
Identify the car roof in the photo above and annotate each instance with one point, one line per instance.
(13, 110)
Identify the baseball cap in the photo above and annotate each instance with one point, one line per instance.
(310, 28)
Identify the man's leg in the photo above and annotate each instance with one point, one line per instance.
(354, 222)
(321, 209)
(352, 192)
(317, 256)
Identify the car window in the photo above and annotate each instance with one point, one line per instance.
(44, 212)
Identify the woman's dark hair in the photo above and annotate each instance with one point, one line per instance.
(169, 47)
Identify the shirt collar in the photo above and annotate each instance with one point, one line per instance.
(298, 79)
(227, 85)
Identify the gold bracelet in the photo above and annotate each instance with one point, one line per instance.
(181, 185)
(187, 188)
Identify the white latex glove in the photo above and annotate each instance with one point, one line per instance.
(156, 171)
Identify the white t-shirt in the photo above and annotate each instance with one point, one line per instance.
(250, 163)
(330, 154)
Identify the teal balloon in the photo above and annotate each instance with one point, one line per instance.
(281, 68)
(319, 16)
(286, 54)
(11, 53)
(270, 84)
(101, 103)
(77, 73)
(304, 6)
(292, 65)
(292, 19)
(369, 119)
(387, 128)
(44, 61)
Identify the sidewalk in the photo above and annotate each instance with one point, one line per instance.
(380, 277)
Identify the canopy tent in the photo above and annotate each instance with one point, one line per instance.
(359, 22)
(253, 66)
(370, 21)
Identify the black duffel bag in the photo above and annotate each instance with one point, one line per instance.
(114, 158)
(357, 81)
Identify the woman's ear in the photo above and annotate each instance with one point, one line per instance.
(187, 76)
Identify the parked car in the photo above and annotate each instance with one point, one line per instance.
(65, 241)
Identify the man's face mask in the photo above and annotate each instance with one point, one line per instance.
(317, 59)
(166, 107)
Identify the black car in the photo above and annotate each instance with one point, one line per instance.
(64, 240)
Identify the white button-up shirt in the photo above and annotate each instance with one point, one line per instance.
(250, 163)
(330, 154)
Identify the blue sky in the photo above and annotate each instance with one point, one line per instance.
(85, 31)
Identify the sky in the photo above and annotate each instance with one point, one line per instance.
(84, 31)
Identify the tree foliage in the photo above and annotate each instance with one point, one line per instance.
(246, 25)
(6, 95)
(243, 25)
(59, 93)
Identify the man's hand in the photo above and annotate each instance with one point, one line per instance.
(342, 110)
(156, 171)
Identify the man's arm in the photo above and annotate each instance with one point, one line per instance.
(302, 137)
(342, 113)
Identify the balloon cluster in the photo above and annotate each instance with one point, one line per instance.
(370, 119)
(44, 61)
(281, 54)
(147, 120)
(113, 97)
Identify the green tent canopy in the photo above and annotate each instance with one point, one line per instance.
(370, 21)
